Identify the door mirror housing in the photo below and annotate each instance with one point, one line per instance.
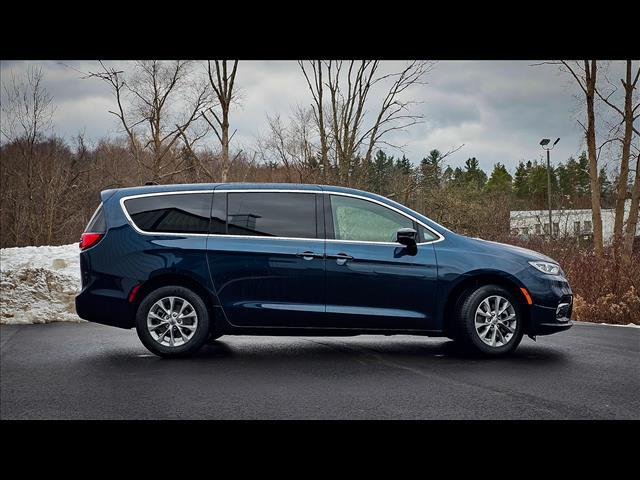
(407, 236)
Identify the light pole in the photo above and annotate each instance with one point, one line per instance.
(544, 142)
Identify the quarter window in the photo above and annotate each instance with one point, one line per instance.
(97, 224)
(273, 214)
(361, 220)
(178, 213)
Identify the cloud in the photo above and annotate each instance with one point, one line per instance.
(498, 109)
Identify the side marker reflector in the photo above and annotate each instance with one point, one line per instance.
(134, 290)
(526, 295)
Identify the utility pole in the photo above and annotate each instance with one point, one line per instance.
(544, 142)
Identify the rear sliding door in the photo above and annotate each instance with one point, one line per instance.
(266, 257)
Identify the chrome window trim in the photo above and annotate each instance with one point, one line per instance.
(439, 237)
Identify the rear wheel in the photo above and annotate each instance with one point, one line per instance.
(172, 321)
(489, 320)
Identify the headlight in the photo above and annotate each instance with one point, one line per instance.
(546, 267)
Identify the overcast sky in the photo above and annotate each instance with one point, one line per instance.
(499, 110)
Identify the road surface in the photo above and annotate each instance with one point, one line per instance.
(88, 371)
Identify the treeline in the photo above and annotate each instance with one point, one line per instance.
(49, 187)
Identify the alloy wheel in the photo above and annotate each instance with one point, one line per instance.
(495, 321)
(172, 321)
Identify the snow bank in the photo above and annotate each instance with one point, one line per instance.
(38, 284)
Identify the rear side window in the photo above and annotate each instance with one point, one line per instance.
(177, 213)
(273, 214)
(97, 224)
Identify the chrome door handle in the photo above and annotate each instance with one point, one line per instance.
(309, 255)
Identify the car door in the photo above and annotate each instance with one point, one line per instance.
(266, 257)
(371, 280)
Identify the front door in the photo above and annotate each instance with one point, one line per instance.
(266, 257)
(373, 281)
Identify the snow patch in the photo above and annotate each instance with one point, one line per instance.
(632, 325)
(39, 284)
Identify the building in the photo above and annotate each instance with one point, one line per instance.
(566, 223)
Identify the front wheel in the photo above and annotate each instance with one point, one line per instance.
(489, 320)
(172, 322)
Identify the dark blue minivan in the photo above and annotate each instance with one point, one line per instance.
(186, 264)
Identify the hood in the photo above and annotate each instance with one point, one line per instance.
(503, 249)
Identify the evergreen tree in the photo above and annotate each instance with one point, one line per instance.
(381, 172)
(474, 176)
(431, 170)
(537, 180)
(500, 181)
(521, 180)
(403, 166)
(607, 192)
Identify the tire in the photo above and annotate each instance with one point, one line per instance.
(184, 334)
(475, 322)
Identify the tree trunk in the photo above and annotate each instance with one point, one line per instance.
(596, 216)
(623, 179)
(633, 217)
(225, 145)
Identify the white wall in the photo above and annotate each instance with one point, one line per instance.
(522, 219)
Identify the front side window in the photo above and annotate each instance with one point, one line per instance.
(272, 214)
(178, 213)
(361, 220)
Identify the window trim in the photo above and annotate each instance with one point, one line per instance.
(439, 237)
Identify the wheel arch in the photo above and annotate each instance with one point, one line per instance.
(476, 280)
(179, 279)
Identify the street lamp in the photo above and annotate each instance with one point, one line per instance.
(543, 143)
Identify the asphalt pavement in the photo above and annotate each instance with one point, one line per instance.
(89, 371)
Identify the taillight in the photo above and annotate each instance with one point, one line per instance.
(88, 239)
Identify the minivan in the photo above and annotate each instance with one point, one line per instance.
(186, 264)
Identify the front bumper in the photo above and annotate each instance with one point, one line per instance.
(548, 320)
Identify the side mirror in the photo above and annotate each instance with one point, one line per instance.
(407, 236)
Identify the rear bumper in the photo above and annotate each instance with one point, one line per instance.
(104, 309)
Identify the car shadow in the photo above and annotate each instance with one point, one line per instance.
(319, 347)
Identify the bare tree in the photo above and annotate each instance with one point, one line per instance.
(222, 85)
(628, 116)
(148, 108)
(344, 124)
(27, 113)
(290, 143)
(585, 75)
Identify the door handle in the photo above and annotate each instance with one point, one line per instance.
(309, 255)
(341, 258)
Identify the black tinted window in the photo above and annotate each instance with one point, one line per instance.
(179, 213)
(97, 224)
(272, 214)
